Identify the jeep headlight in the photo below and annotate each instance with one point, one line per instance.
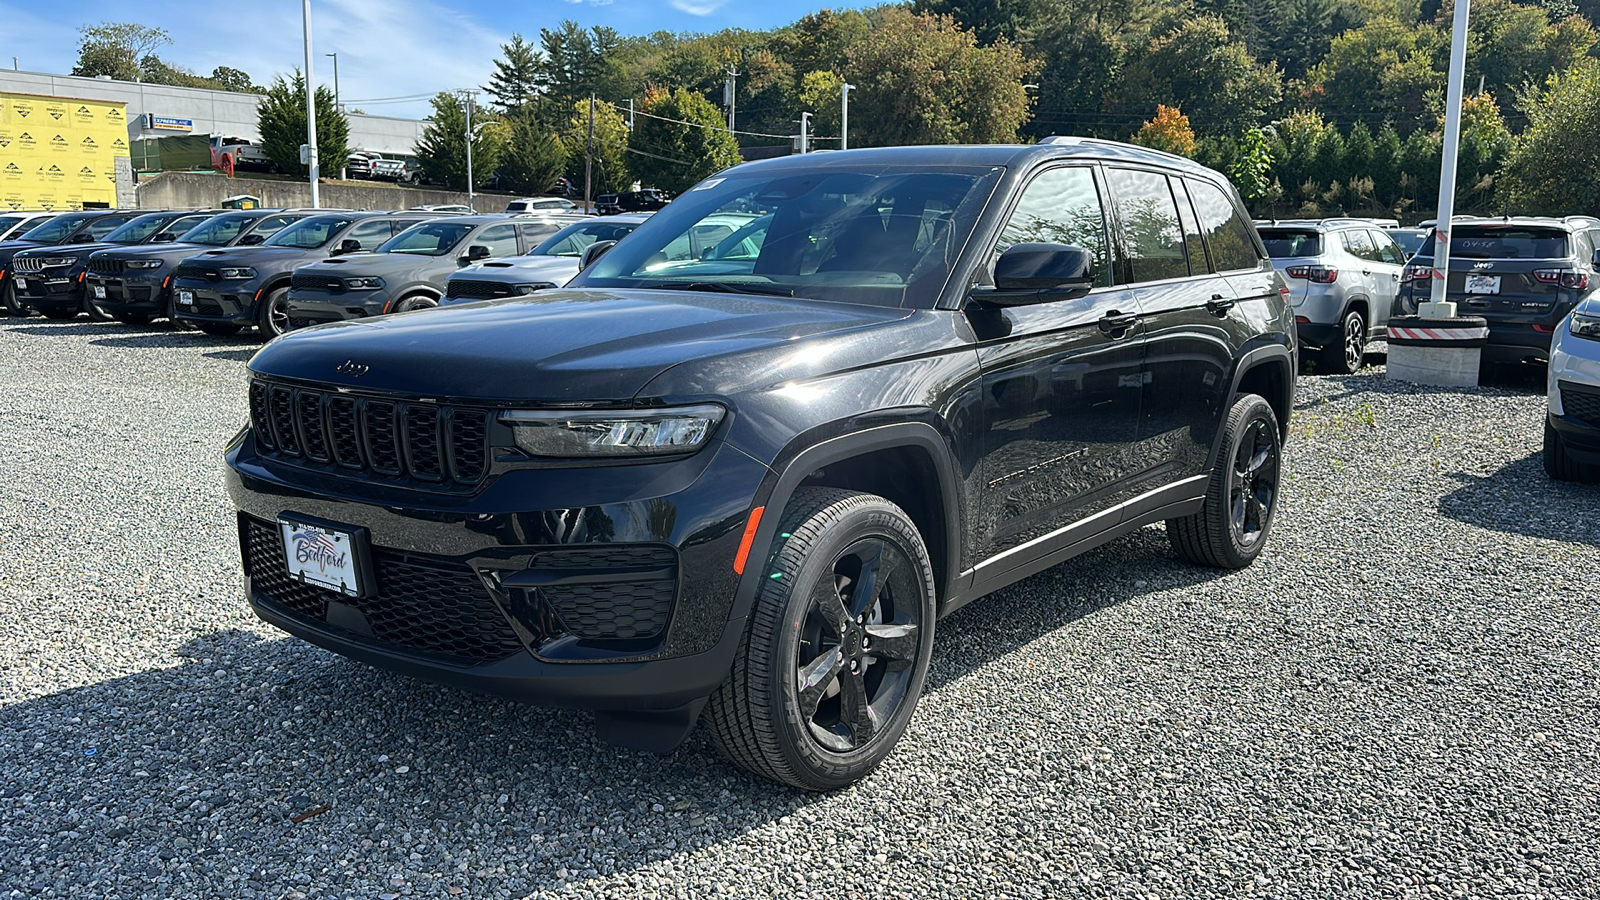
(51, 262)
(363, 284)
(144, 263)
(238, 273)
(1585, 326)
(523, 290)
(585, 433)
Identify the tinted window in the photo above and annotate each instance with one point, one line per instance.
(1409, 239)
(500, 239)
(1388, 250)
(9, 222)
(1488, 242)
(1192, 241)
(183, 225)
(1283, 243)
(217, 231)
(572, 240)
(1061, 206)
(54, 231)
(371, 233)
(102, 228)
(427, 239)
(1359, 245)
(273, 224)
(1152, 241)
(534, 232)
(1227, 231)
(308, 233)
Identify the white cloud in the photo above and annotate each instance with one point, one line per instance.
(590, 2)
(698, 7)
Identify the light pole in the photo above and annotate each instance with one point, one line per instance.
(311, 109)
(1440, 307)
(844, 115)
(471, 201)
(336, 104)
(805, 128)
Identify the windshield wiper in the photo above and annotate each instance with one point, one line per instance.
(723, 286)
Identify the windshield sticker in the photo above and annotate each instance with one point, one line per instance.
(707, 184)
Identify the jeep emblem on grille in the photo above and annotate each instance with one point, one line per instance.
(352, 368)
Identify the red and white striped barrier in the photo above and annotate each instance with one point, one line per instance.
(1438, 333)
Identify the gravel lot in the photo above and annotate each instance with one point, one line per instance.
(1399, 699)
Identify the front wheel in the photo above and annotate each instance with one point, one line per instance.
(1559, 465)
(414, 303)
(8, 298)
(836, 652)
(273, 316)
(94, 310)
(1231, 529)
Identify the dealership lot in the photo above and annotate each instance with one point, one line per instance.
(1400, 698)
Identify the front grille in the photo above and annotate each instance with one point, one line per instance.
(622, 609)
(468, 289)
(420, 604)
(105, 266)
(27, 264)
(323, 283)
(1580, 402)
(381, 438)
(197, 273)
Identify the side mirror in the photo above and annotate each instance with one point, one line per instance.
(1039, 273)
(348, 245)
(250, 240)
(165, 237)
(82, 237)
(593, 252)
(477, 252)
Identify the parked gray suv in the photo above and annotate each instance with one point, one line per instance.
(1343, 275)
(409, 270)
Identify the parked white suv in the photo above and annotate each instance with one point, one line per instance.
(1572, 422)
(1343, 275)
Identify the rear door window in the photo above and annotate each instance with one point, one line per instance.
(1359, 245)
(1284, 243)
(1152, 240)
(371, 233)
(1192, 239)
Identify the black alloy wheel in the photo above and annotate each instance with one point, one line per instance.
(1231, 528)
(836, 652)
(273, 317)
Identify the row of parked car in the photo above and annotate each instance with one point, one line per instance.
(221, 271)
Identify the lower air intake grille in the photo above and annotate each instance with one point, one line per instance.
(637, 604)
(1580, 402)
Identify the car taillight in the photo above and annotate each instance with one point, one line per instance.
(1416, 273)
(1314, 274)
(1566, 278)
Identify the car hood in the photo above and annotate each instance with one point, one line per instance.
(557, 346)
(9, 249)
(144, 250)
(252, 256)
(78, 250)
(519, 269)
(356, 265)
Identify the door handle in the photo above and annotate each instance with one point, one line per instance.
(1117, 323)
(1219, 304)
(1366, 272)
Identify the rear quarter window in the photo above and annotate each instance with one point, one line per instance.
(1226, 230)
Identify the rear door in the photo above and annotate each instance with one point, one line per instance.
(1061, 380)
(1391, 262)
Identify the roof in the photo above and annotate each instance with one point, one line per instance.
(1569, 223)
(981, 155)
(1320, 224)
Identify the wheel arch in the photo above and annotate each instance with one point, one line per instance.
(1269, 373)
(882, 460)
(413, 290)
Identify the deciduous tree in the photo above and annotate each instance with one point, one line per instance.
(680, 140)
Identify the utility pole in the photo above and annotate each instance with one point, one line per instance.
(844, 115)
(805, 128)
(471, 201)
(338, 106)
(630, 113)
(588, 161)
(728, 97)
(311, 110)
(1440, 306)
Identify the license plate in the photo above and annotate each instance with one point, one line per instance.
(325, 557)
(99, 291)
(1483, 284)
(22, 284)
(186, 298)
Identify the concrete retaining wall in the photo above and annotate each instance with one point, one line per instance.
(184, 190)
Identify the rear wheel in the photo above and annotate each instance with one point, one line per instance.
(1231, 529)
(273, 316)
(1560, 466)
(219, 329)
(1351, 352)
(836, 652)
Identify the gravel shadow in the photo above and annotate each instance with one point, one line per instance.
(168, 338)
(1521, 499)
(64, 327)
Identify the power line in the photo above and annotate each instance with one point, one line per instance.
(640, 112)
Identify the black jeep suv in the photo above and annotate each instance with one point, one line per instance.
(83, 227)
(51, 279)
(746, 487)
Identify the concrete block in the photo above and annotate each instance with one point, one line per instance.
(1440, 366)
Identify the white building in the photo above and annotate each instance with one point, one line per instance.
(158, 110)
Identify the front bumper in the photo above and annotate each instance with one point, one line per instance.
(233, 303)
(46, 291)
(128, 292)
(314, 307)
(465, 591)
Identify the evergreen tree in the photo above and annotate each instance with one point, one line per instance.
(1385, 172)
(442, 148)
(534, 158)
(281, 119)
(515, 82)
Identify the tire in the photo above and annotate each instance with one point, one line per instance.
(1350, 354)
(272, 319)
(1232, 527)
(60, 315)
(419, 301)
(219, 329)
(1561, 467)
(94, 310)
(132, 318)
(8, 300)
(871, 644)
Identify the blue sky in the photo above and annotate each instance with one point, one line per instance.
(387, 48)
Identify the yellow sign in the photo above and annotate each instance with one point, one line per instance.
(59, 152)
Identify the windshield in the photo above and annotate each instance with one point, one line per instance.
(217, 231)
(1409, 239)
(1283, 244)
(309, 233)
(56, 230)
(9, 222)
(138, 230)
(1490, 242)
(105, 226)
(427, 239)
(885, 235)
(571, 241)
